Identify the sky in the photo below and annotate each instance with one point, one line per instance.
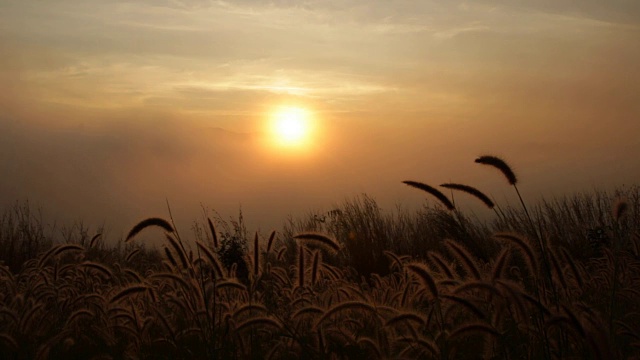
(109, 109)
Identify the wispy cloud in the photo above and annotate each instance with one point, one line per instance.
(136, 93)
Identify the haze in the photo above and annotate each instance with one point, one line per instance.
(109, 108)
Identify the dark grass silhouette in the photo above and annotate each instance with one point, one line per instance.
(361, 284)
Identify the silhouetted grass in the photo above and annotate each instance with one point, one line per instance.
(357, 282)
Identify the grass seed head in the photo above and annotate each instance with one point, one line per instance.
(471, 191)
(499, 164)
(319, 239)
(433, 191)
(154, 221)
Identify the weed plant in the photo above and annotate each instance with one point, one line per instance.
(558, 280)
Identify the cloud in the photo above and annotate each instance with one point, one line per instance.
(114, 106)
(618, 12)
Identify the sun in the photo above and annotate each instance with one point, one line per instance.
(291, 126)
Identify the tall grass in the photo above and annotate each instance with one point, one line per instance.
(357, 282)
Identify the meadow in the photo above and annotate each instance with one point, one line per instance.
(558, 279)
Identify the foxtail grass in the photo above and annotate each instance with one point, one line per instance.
(395, 260)
(66, 248)
(258, 321)
(471, 191)
(213, 261)
(319, 239)
(314, 267)
(530, 258)
(256, 255)
(214, 234)
(467, 304)
(307, 310)
(506, 170)
(499, 164)
(301, 267)
(433, 191)
(170, 257)
(98, 267)
(464, 257)
(270, 241)
(131, 254)
(348, 305)
(422, 272)
(501, 263)
(477, 328)
(178, 250)
(134, 289)
(94, 240)
(154, 221)
(439, 261)
(405, 317)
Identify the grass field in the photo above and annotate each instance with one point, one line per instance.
(559, 279)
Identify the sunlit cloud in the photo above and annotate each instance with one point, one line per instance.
(151, 88)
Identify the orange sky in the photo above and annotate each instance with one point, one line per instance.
(110, 107)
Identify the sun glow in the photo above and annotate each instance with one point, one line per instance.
(291, 126)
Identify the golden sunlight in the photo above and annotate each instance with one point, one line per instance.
(291, 126)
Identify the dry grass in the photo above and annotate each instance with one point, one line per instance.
(308, 295)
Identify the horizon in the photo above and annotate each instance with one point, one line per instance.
(111, 108)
